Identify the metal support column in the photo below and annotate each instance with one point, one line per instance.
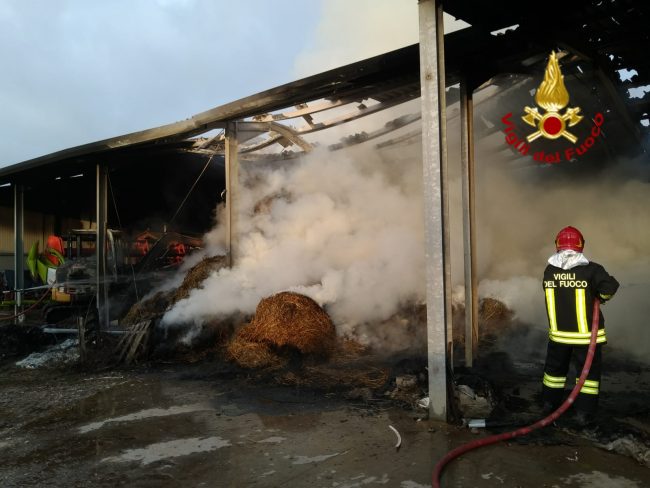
(19, 250)
(232, 190)
(432, 79)
(469, 221)
(100, 246)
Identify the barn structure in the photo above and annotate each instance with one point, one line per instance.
(166, 177)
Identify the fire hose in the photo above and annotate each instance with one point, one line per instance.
(437, 472)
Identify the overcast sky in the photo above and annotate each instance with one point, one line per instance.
(78, 71)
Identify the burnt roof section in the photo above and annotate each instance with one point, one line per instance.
(610, 33)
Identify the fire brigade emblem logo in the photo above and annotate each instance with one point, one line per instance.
(552, 96)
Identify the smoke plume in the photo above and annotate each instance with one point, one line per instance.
(344, 228)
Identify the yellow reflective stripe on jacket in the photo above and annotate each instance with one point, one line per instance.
(577, 335)
(581, 311)
(554, 381)
(589, 391)
(590, 387)
(576, 338)
(550, 307)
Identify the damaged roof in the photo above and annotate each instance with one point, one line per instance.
(505, 36)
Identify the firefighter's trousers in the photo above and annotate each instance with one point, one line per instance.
(558, 358)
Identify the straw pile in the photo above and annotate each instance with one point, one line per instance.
(156, 305)
(494, 312)
(148, 309)
(254, 355)
(331, 377)
(293, 320)
(143, 315)
(494, 318)
(197, 275)
(283, 324)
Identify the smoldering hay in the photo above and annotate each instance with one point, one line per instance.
(345, 229)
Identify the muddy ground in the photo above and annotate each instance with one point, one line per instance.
(208, 424)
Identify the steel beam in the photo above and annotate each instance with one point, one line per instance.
(232, 191)
(469, 221)
(248, 130)
(432, 79)
(100, 245)
(361, 111)
(19, 250)
(302, 110)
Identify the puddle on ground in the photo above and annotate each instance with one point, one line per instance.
(313, 459)
(145, 414)
(272, 440)
(67, 428)
(597, 479)
(412, 484)
(363, 480)
(171, 449)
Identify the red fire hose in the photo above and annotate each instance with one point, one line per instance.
(537, 425)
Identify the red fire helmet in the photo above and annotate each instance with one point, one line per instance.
(569, 238)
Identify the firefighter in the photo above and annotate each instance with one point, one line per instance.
(571, 283)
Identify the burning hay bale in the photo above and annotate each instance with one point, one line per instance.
(283, 323)
(292, 320)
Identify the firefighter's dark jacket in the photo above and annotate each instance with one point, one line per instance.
(570, 299)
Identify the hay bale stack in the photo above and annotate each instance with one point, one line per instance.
(293, 320)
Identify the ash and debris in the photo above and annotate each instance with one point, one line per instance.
(63, 354)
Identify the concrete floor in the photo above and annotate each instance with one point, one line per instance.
(194, 425)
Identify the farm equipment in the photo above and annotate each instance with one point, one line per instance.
(133, 267)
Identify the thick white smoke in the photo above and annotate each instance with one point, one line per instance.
(344, 228)
(519, 213)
